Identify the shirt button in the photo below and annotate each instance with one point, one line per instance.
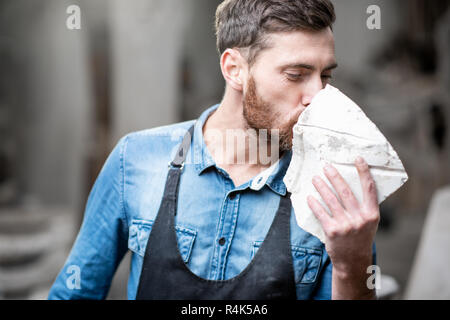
(222, 241)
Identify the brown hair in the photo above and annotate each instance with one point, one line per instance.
(245, 24)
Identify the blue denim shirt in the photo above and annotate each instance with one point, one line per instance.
(125, 199)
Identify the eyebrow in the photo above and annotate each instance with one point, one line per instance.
(307, 66)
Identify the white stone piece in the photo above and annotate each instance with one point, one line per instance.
(334, 130)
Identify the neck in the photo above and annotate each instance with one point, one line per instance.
(230, 140)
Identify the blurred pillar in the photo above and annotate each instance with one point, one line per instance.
(55, 120)
(146, 42)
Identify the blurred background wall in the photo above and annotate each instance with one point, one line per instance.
(67, 96)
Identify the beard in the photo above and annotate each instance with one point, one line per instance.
(259, 115)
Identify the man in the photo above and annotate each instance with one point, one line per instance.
(208, 226)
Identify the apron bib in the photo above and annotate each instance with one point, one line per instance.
(165, 276)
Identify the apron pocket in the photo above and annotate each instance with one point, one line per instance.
(140, 231)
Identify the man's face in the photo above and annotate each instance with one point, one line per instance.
(285, 78)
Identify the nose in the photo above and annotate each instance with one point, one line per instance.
(311, 89)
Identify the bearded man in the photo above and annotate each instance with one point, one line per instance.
(207, 226)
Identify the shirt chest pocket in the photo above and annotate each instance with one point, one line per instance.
(139, 233)
(306, 262)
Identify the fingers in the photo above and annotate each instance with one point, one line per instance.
(369, 190)
(343, 190)
(349, 217)
(329, 198)
(319, 211)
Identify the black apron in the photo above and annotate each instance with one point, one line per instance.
(164, 275)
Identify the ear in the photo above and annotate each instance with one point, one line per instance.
(234, 68)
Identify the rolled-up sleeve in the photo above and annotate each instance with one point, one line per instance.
(102, 240)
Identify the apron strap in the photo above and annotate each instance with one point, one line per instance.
(181, 154)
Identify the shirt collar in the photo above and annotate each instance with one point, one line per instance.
(203, 160)
(275, 180)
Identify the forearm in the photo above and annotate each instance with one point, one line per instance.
(351, 284)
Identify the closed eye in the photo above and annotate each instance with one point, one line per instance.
(294, 76)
